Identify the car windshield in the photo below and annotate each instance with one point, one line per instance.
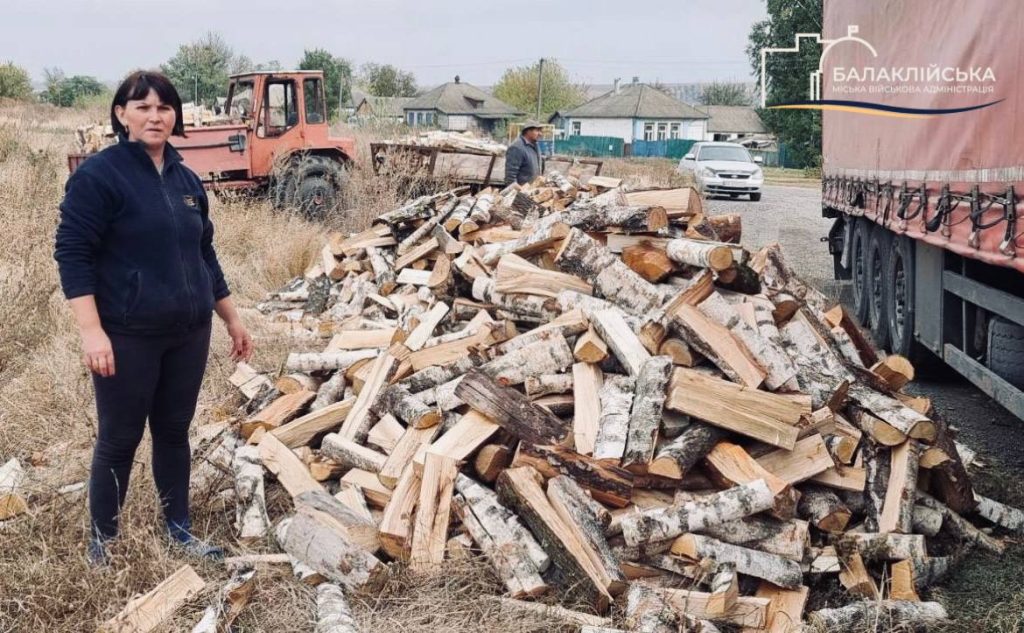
(724, 152)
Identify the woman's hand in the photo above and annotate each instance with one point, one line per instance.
(241, 342)
(97, 353)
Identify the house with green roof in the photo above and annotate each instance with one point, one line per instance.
(457, 106)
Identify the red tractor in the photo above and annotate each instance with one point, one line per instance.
(275, 141)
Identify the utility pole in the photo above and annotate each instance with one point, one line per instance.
(540, 87)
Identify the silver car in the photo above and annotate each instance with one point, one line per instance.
(724, 169)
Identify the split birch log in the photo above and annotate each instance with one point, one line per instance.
(645, 415)
(400, 403)
(12, 496)
(383, 273)
(868, 615)
(819, 372)
(320, 541)
(616, 398)
(697, 253)
(647, 611)
(460, 213)
(330, 391)
(786, 609)
(927, 521)
(545, 384)
(890, 547)
(661, 524)
(960, 527)
(854, 576)
(731, 465)
(516, 275)
(327, 361)
(901, 582)
(589, 520)
(590, 348)
(775, 569)
(951, 481)
(999, 513)
(542, 235)
(278, 412)
(525, 305)
(788, 539)
(901, 494)
(717, 344)
(650, 262)
(676, 458)
(748, 611)
(608, 484)
(823, 508)
(251, 519)
(424, 229)
(332, 611)
(352, 455)
(768, 354)
(725, 589)
(584, 257)
(501, 524)
(430, 528)
(228, 603)
(619, 337)
(895, 413)
(147, 612)
(516, 413)
(590, 216)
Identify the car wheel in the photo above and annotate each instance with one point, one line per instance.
(859, 266)
(877, 263)
(755, 197)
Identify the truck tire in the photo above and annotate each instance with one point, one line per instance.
(315, 197)
(877, 262)
(1005, 350)
(899, 297)
(860, 237)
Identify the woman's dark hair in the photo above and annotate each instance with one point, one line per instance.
(136, 86)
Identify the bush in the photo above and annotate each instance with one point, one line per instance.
(14, 82)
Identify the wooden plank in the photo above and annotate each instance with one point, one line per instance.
(304, 430)
(587, 382)
(149, 611)
(808, 458)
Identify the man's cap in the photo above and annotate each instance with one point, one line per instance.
(529, 123)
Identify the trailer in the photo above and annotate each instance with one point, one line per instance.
(924, 183)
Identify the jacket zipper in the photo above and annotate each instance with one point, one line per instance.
(177, 242)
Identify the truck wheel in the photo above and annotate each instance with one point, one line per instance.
(315, 197)
(1005, 351)
(899, 293)
(877, 263)
(859, 267)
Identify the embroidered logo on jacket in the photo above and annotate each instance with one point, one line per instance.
(191, 201)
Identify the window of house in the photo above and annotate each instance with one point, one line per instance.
(410, 118)
(280, 110)
(429, 118)
(576, 126)
(662, 131)
(674, 131)
(313, 94)
(649, 131)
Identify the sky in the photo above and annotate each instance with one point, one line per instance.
(596, 40)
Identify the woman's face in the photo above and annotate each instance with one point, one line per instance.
(149, 121)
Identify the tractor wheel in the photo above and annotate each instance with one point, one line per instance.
(877, 263)
(315, 197)
(859, 267)
(311, 184)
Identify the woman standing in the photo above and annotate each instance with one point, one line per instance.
(137, 265)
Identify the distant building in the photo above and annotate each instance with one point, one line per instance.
(457, 107)
(635, 112)
(732, 123)
(383, 109)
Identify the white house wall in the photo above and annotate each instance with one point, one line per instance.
(688, 128)
(618, 128)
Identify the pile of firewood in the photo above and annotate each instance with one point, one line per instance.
(608, 398)
(453, 141)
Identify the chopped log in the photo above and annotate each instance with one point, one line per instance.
(648, 261)
(306, 429)
(280, 411)
(248, 380)
(648, 612)
(748, 611)
(500, 522)
(898, 508)
(788, 539)
(385, 433)
(732, 465)
(590, 348)
(516, 413)
(588, 381)
(678, 351)
(593, 216)
(785, 609)
(518, 488)
(927, 521)
(516, 275)
(546, 384)
(147, 612)
(12, 495)
(676, 458)
(808, 459)
(838, 316)
(820, 373)
(357, 528)
(777, 570)
(717, 344)
(678, 203)
(584, 257)
(867, 615)
(619, 337)
(725, 589)
(584, 517)
(645, 415)
(881, 432)
(999, 513)
(843, 477)
(416, 253)
(348, 453)
(854, 577)
(763, 416)
(769, 354)
(358, 421)
(251, 507)
(352, 498)
(901, 584)
(327, 361)
(824, 509)
(895, 370)
(876, 546)
(411, 442)
(430, 530)
(376, 494)
(330, 391)
(960, 527)
(616, 398)
(895, 413)
(228, 604)
(319, 540)
(397, 519)
(661, 524)
(524, 306)
(332, 611)
(610, 485)
(951, 482)
(383, 273)
(490, 460)
(284, 464)
(697, 253)
(459, 441)
(427, 227)
(400, 402)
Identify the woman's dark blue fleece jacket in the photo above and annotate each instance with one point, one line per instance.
(140, 241)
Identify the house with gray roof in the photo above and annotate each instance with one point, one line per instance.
(457, 106)
(732, 123)
(382, 109)
(634, 112)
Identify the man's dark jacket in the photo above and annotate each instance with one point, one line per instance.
(522, 162)
(140, 241)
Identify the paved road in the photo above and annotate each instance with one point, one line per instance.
(792, 217)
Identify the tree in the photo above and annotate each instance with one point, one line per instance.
(786, 75)
(384, 80)
(727, 94)
(337, 75)
(518, 88)
(69, 91)
(200, 69)
(14, 82)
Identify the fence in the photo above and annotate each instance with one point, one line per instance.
(589, 146)
(669, 148)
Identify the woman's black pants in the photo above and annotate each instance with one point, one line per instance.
(156, 378)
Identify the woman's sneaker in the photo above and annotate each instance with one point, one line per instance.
(183, 539)
(96, 552)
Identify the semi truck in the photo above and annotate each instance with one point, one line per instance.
(923, 172)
